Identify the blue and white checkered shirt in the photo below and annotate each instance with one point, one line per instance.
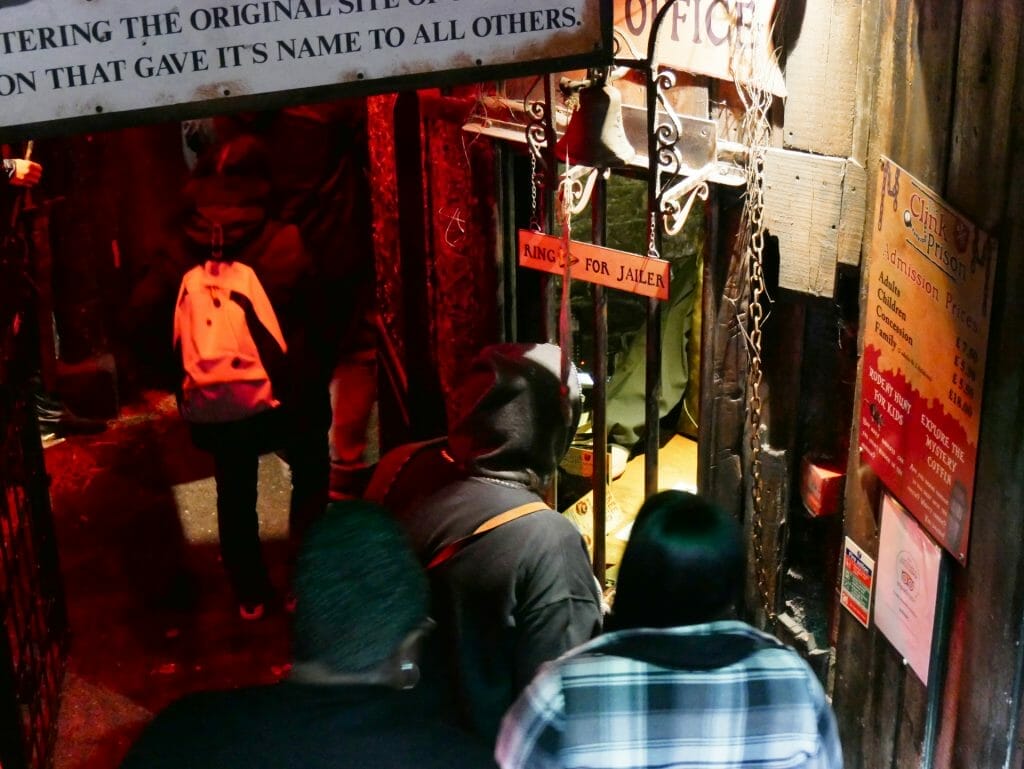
(593, 708)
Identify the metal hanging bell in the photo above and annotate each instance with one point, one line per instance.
(596, 136)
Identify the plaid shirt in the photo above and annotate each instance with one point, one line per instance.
(592, 708)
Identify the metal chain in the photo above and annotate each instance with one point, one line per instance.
(534, 213)
(756, 131)
(755, 258)
(652, 248)
(565, 305)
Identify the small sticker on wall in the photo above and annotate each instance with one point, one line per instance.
(858, 580)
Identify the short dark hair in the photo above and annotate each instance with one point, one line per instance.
(359, 589)
(683, 564)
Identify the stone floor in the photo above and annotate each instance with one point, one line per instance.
(150, 612)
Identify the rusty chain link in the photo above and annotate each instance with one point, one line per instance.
(756, 134)
(755, 259)
(534, 183)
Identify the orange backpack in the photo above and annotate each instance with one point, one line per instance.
(226, 332)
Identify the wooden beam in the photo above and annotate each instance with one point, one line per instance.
(814, 205)
(723, 366)
(821, 76)
(985, 168)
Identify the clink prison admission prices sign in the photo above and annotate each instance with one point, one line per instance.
(925, 337)
(74, 58)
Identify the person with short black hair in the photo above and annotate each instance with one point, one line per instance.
(361, 612)
(676, 682)
(682, 545)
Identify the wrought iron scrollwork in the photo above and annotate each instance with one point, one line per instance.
(537, 142)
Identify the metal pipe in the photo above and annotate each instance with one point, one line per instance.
(654, 155)
(939, 656)
(598, 227)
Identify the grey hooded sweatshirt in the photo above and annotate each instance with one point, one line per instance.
(523, 593)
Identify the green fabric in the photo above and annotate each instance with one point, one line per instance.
(626, 224)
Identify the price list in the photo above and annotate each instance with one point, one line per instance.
(961, 392)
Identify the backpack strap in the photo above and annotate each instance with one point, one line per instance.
(272, 355)
(393, 464)
(500, 519)
(688, 652)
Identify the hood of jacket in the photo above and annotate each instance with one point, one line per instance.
(515, 418)
(228, 196)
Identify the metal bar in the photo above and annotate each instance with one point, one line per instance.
(598, 226)
(653, 394)
(508, 291)
(656, 156)
(1013, 748)
(901, 690)
(939, 664)
(709, 312)
(549, 302)
(652, 381)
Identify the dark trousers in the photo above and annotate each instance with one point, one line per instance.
(307, 450)
(301, 432)
(236, 472)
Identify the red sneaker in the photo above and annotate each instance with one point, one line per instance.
(251, 611)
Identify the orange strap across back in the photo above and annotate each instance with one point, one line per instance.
(452, 548)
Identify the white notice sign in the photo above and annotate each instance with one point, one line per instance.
(74, 58)
(907, 583)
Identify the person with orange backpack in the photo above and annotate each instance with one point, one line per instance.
(241, 335)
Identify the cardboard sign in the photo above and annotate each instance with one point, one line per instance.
(63, 59)
(700, 36)
(925, 337)
(642, 275)
(908, 581)
(857, 582)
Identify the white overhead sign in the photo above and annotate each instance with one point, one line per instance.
(74, 58)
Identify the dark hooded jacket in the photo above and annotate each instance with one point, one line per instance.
(523, 593)
(228, 216)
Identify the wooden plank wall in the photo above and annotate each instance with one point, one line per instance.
(940, 91)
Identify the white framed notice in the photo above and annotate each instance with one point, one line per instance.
(907, 585)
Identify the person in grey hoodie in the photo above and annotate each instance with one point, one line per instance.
(522, 593)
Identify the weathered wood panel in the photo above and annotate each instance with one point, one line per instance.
(723, 360)
(917, 66)
(990, 39)
(985, 167)
(1005, 479)
(851, 215)
(969, 153)
(906, 64)
(814, 211)
(770, 539)
(821, 76)
(858, 675)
